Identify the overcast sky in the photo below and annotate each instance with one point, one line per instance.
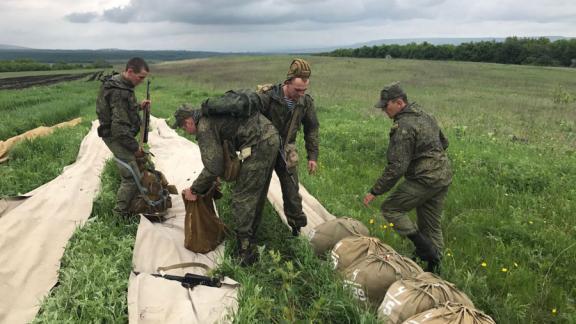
(261, 25)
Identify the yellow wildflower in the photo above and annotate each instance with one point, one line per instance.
(504, 269)
(484, 264)
(391, 224)
(554, 311)
(371, 220)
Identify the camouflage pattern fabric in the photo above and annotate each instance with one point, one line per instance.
(417, 152)
(251, 187)
(428, 202)
(299, 68)
(128, 189)
(117, 110)
(275, 109)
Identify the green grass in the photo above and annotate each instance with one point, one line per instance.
(26, 109)
(35, 162)
(93, 279)
(512, 137)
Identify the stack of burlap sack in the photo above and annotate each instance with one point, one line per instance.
(379, 275)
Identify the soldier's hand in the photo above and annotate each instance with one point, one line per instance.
(189, 195)
(368, 199)
(139, 154)
(145, 104)
(312, 167)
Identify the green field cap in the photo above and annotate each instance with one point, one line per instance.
(390, 92)
(183, 112)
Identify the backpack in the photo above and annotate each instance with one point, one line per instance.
(235, 103)
(153, 198)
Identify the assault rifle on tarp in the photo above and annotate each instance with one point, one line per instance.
(191, 280)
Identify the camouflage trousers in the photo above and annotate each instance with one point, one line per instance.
(251, 187)
(128, 188)
(428, 203)
(290, 196)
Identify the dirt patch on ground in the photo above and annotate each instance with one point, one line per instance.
(29, 81)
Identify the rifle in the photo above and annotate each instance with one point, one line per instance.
(146, 115)
(191, 280)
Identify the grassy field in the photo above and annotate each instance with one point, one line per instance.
(509, 216)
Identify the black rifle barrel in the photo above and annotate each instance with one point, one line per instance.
(190, 280)
(147, 113)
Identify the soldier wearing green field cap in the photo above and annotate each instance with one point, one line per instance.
(289, 108)
(417, 152)
(257, 141)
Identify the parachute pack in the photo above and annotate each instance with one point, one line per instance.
(235, 103)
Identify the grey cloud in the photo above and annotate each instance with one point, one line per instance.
(263, 12)
(81, 17)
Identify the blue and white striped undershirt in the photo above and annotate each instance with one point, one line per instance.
(290, 103)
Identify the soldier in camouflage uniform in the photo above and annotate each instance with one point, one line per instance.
(117, 110)
(417, 151)
(289, 108)
(255, 134)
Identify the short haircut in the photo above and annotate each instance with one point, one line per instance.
(137, 64)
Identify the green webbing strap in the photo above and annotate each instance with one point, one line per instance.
(184, 265)
(142, 190)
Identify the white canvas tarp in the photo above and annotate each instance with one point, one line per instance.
(157, 300)
(315, 212)
(33, 234)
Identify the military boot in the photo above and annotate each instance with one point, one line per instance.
(426, 252)
(295, 230)
(246, 252)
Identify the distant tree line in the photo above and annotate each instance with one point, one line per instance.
(514, 50)
(89, 56)
(20, 65)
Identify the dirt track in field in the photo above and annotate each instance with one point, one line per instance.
(39, 80)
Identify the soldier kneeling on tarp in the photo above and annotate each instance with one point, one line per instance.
(219, 138)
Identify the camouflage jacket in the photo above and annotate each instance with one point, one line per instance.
(275, 109)
(117, 111)
(241, 133)
(416, 151)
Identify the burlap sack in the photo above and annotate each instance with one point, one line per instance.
(203, 230)
(408, 297)
(451, 313)
(324, 236)
(371, 276)
(350, 249)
